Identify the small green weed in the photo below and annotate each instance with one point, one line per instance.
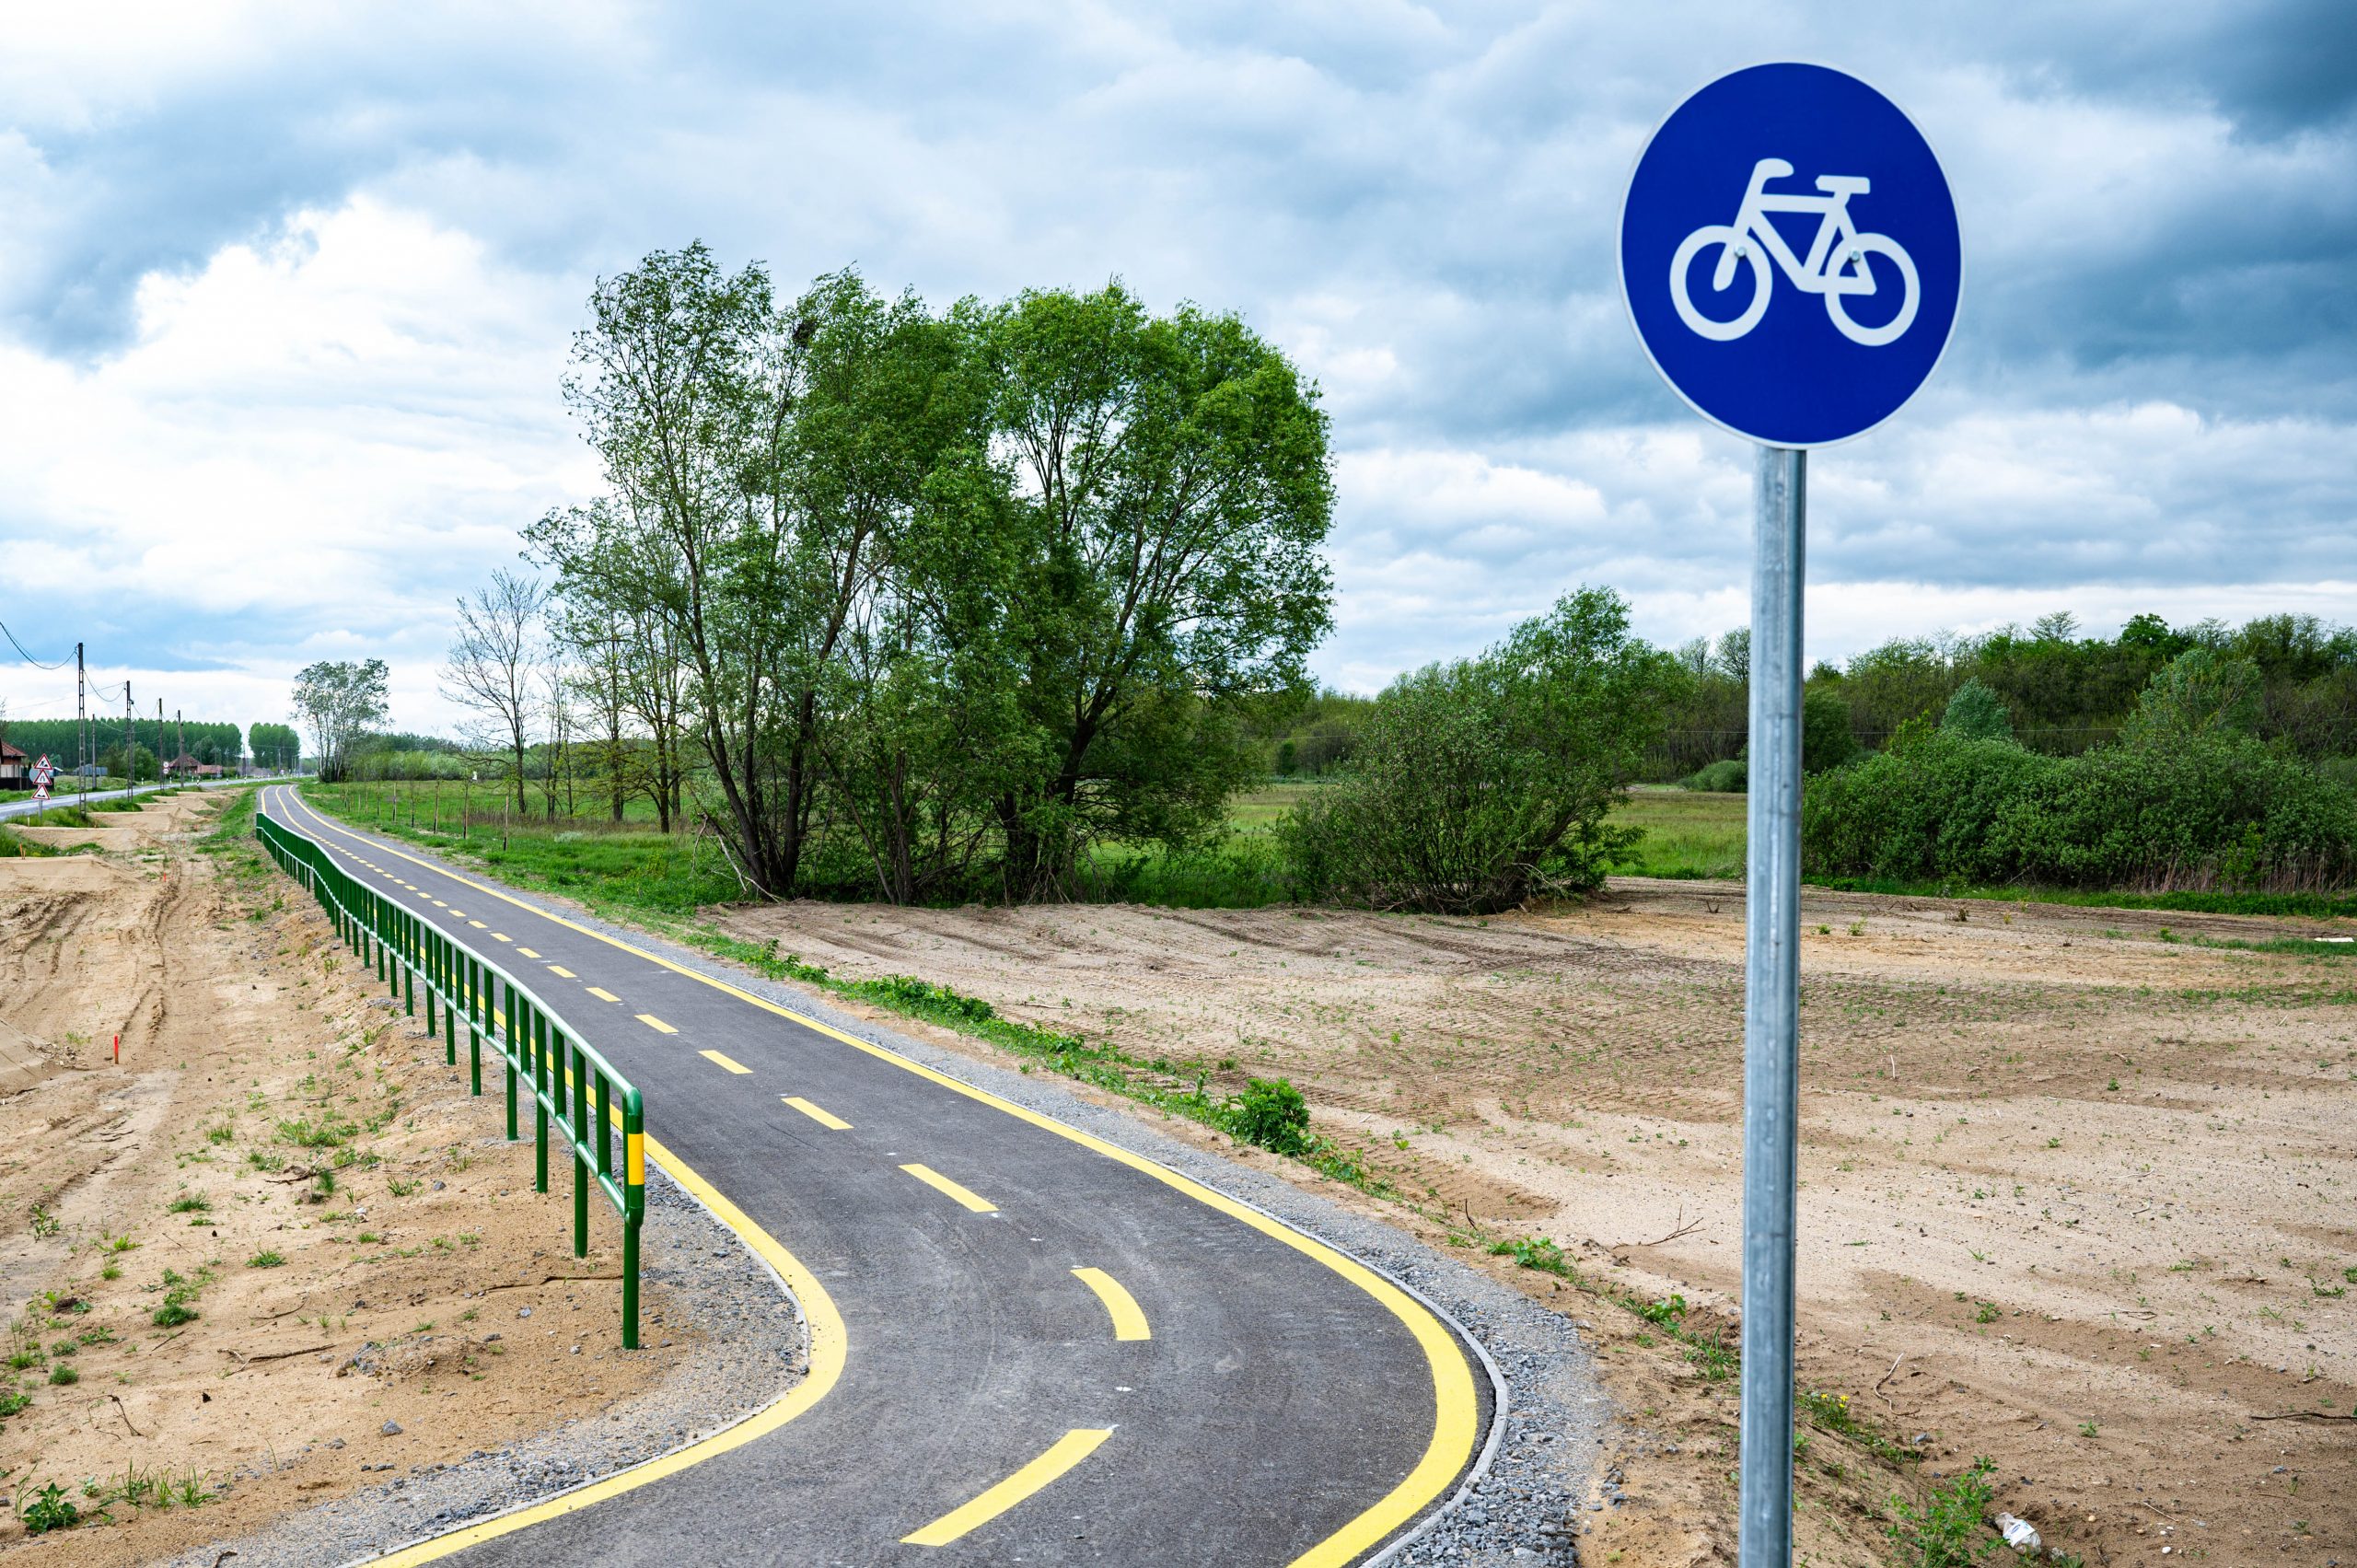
(1271, 1113)
(49, 1509)
(1946, 1531)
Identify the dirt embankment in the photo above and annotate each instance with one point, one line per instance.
(277, 1253)
(2079, 1191)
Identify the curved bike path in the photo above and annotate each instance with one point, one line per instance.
(1029, 1345)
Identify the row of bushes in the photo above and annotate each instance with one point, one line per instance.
(2200, 812)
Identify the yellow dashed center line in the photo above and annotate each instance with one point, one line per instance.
(440, 905)
(1129, 1321)
(719, 1061)
(499, 936)
(657, 1024)
(558, 969)
(822, 1118)
(602, 995)
(529, 954)
(478, 925)
(1068, 1451)
(941, 1183)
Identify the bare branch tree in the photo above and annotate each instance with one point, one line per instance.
(493, 660)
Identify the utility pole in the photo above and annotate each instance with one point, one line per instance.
(81, 726)
(179, 746)
(130, 747)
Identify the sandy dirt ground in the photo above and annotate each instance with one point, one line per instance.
(338, 1334)
(2079, 1186)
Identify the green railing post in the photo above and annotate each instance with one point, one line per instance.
(540, 1106)
(605, 1122)
(580, 1166)
(508, 1055)
(474, 1035)
(634, 1207)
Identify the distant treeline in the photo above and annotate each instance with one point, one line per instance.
(219, 744)
(2066, 693)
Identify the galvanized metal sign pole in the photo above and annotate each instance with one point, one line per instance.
(1703, 292)
(1772, 1014)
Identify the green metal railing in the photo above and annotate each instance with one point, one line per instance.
(572, 1087)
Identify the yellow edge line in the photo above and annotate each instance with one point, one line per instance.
(1129, 1318)
(1062, 1455)
(1457, 1407)
(830, 1344)
(941, 1183)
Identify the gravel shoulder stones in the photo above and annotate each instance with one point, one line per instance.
(699, 1272)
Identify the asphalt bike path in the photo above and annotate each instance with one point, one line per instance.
(1028, 1345)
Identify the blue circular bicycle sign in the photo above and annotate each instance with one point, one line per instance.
(1790, 254)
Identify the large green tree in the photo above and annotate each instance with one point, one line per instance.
(949, 597)
(1171, 491)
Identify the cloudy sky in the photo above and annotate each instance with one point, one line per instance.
(285, 291)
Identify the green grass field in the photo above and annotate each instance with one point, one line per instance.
(1688, 833)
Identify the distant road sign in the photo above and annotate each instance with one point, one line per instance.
(1790, 254)
(44, 774)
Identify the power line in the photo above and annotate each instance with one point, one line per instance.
(20, 649)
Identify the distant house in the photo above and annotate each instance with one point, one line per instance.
(185, 767)
(15, 768)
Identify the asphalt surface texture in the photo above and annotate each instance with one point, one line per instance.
(1054, 1353)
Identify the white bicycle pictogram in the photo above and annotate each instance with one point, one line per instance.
(1835, 266)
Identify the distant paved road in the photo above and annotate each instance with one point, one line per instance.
(29, 807)
(1052, 1352)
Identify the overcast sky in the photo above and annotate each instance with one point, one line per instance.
(285, 292)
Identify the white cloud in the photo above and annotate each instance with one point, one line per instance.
(287, 290)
